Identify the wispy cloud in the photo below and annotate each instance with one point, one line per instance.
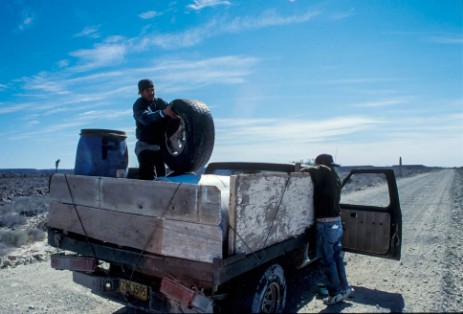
(148, 15)
(355, 80)
(78, 121)
(212, 28)
(12, 109)
(90, 31)
(283, 140)
(278, 140)
(342, 15)
(44, 83)
(435, 37)
(108, 115)
(189, 38)
(114, 49)
(266, 19)
(26, 20)
(55, 92)
(100, 55)
(447, 40)
(201, 4)
(63, 63)
(292, 131)
(383, 103)
(191, 74)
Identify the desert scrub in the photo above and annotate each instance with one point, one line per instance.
(12, 219)
(23, 211)
(18, 237)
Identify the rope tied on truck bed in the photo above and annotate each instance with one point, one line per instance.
(78, 216)
(154, 229)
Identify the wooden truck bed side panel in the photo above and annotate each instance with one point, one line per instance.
(267, 209)
(152, 234)
(109, 210)
(185, 202)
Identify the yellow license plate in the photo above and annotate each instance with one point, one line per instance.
(133, 289)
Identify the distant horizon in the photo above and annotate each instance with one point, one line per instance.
(341, 166)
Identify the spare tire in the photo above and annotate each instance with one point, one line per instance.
(188, 142)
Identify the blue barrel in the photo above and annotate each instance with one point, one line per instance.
(102, 153)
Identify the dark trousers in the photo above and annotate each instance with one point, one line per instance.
(151, 165)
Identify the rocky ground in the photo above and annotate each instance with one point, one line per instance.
(428, 278)
(24, 204)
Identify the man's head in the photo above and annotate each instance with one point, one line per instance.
(325, 159)
(146, 89)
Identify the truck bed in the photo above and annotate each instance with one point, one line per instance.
(206, 222)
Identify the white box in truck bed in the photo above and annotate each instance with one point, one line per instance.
(218, 217)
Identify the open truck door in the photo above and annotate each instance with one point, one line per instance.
(371, 214)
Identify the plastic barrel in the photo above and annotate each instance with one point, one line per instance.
(102, 152)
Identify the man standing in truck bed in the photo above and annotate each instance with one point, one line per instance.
(327, 194)
(150, 113)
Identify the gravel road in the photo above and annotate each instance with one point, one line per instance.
(429, 277)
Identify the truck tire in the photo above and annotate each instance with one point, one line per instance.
(188, 142)
(269, 295)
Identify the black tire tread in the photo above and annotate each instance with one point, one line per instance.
(200, 136)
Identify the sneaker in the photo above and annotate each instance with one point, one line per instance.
(347, 293)
(333, 299)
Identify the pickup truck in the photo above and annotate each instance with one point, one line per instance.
(221, 241)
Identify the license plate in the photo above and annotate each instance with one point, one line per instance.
(133, 289)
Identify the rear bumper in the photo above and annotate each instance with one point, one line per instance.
(108, 287)
(168, 297)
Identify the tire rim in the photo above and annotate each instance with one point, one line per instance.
(271, 300)
(176, 143)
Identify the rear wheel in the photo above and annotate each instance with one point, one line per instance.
(270, 293)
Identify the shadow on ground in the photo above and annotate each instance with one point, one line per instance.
(302, 289)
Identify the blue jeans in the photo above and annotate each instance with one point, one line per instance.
(329, 251)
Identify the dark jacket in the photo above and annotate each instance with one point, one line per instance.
(150, 123)
(327, 191)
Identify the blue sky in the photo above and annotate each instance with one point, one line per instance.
(285, 80)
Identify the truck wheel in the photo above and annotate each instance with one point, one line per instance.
(188, 142)
(270, 293)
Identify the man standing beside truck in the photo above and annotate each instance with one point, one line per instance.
(150, 113)
(327, 194)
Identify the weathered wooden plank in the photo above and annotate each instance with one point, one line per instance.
(178, 201)
(181, 239)
(109, 226)
(268, 208)
(202, 242)
(68, 188)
